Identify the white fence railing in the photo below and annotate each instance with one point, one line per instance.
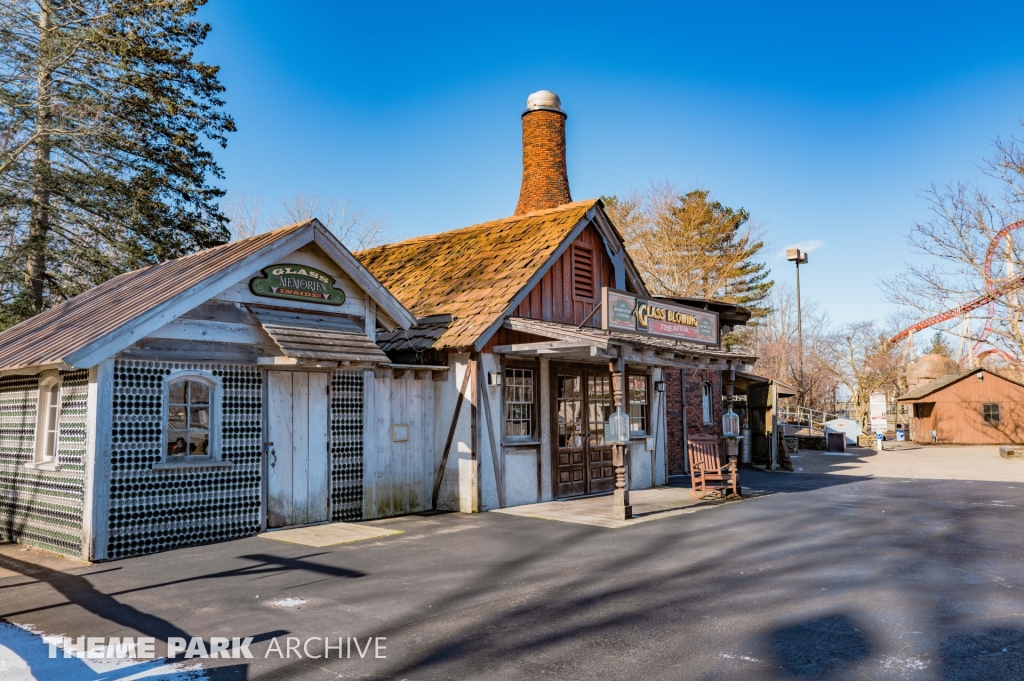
(812, 419)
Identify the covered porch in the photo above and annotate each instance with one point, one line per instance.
(584, 375)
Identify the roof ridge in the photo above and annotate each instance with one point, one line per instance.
(480, 225)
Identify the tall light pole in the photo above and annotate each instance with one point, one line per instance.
(795, 255)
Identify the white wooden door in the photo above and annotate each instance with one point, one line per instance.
(298, 467)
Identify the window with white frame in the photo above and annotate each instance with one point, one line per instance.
(706, 403)
(48, 420)
(190, 402)
(518, 404)
(638, 405)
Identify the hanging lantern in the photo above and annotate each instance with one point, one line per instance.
(730, 424)
(616, 431)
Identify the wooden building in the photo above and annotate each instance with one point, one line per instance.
(973, 407)
(538, 316)
(204, 398)
(280, 380)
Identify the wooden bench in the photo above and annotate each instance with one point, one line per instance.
(707, 470)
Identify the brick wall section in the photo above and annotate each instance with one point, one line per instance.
(545, 179)
(675, 403)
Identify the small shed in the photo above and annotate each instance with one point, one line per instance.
(970, 407)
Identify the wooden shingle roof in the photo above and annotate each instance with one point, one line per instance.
(472, 274)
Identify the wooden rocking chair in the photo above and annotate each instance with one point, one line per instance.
(707, 470)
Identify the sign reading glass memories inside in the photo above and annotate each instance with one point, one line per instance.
(297, 282)
(621, 311)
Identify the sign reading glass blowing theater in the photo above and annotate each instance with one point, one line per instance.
(621, 311)
(297, 282)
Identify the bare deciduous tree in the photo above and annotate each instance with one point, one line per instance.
(350, 223)
(773, 339)
(246, 214)
(862, 359)
(966, 221)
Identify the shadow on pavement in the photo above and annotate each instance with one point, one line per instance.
(820, 647)
(986, 654)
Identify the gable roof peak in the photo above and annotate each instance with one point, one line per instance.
(474, 273)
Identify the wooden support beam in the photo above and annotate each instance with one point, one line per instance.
(451, 432)
(546, 347)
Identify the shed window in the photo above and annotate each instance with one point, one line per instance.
(583, 280)
(48, 420)
(990, 412)
(518, 404)
(638, 405)
(706, 402)
(188, 418)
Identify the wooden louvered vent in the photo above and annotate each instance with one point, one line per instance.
(583, 281)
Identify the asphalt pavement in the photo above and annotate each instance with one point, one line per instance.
(826, 577)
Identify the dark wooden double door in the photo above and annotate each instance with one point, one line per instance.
(582, 402)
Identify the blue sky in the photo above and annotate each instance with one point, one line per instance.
(823, 121)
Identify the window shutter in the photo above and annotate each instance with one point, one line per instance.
(583, 280)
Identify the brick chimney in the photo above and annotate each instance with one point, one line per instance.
(545, 181)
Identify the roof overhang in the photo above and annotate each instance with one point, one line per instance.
(322, 339)
(730, 314)
(596, 345)
(744, 380)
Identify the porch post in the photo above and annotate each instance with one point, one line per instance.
(731, 443)
(621, 510)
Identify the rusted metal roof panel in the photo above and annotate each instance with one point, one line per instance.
(52, 336)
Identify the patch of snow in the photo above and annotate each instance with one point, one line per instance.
(24, 656)
(893, 661)
(290, 602)
(745, 658)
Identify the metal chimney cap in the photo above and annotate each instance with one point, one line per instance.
(543, 99)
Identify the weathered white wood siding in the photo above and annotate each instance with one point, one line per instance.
(355, 297)
(398, 475)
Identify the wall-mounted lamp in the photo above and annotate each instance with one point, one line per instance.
(981, 375)
(659, 386)
(493, 378)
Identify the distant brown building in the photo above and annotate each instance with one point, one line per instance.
(973, 407)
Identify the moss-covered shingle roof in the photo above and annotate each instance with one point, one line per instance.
(473, 273)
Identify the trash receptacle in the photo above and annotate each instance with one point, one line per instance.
(747, 447)
(900, 437)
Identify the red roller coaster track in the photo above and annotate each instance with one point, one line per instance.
(993, 291)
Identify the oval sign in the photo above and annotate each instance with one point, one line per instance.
(297, 282)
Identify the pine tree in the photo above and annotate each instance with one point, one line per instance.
(104, 114)
(691, 246)
(940, 346)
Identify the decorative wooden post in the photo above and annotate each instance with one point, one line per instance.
(621, 510)
(730, 424)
